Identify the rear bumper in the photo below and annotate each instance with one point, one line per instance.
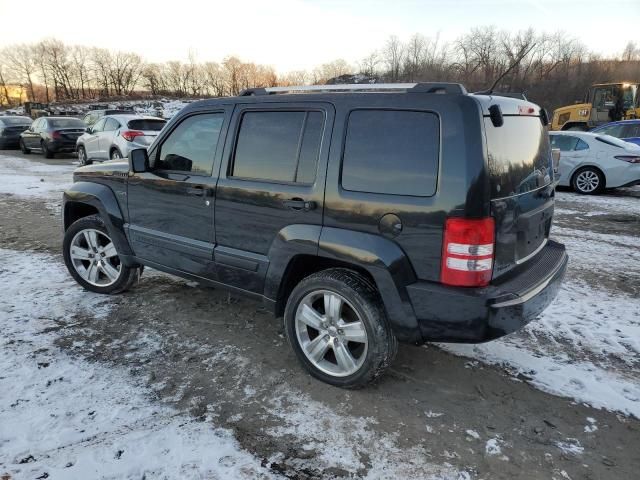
(62, 146)
(469, 315)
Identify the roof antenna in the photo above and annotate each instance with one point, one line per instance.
(515, 63)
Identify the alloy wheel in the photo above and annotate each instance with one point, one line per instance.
(82, 156)
(95, 258)
(587, 181)
(331, 333)
(115, 155)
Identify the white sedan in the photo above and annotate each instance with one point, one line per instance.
(590, 162)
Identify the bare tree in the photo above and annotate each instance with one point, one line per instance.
(19, 58)
(393, 55)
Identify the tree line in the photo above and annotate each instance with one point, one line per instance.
(552, 69)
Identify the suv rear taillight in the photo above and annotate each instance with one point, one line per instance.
(56, 134)
(467, 252)
(129, 135)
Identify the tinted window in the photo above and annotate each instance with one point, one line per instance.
(631, 131)
(519, 157)
(146, 124)
(192, 145)
(111, 124)
(565, 143)
(393, 152)
(66, 123)
(278, 146)
(613, 130)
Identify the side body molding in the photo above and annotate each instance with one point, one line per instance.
(103, 199)
(387, 264)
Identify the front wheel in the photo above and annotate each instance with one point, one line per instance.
(23, 147)
(115, 154)
(338, 329)
(92, 259)
(82, 156)
(588, 181)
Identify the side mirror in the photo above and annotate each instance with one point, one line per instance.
(88, 130)
(139, 160)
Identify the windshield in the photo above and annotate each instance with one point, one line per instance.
(66, 123)
(146, 124)
(11, 121)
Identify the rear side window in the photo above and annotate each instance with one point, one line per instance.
(565, 143)
(631, 131)
(278, 146)
(110, 125)
(146, 124)
(392, 152)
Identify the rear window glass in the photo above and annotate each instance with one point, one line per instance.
(392, 152)
(12, 121)
(65, 123)
(519, 155)
(146, 124)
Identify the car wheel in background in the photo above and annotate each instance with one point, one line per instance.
(23, 147)
(92, 259)
(82, 156)
(115, 154)
(588, 181)
(45, 150)
(338, 329)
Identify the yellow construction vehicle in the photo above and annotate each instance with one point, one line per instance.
(604, 102)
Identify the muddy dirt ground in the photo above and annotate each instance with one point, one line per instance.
(217, 355)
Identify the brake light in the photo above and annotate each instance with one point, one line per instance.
(467, 252)
(129, 135)
(56, 134)
(629, 158)
(523, 110)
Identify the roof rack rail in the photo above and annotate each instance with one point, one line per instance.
(426, 87)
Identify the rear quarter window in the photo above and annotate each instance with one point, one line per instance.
(392, 152)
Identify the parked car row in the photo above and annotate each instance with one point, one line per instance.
(110, 136)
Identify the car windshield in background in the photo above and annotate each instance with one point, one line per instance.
(66, 123)
(147, 124)
(13, 121)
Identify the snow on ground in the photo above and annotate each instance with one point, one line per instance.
(70, 418)
(586, 345)
(603, 203)
(25, 178)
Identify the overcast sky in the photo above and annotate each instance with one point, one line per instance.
(301, 34)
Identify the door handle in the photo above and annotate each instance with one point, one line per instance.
(299, 204)
(197, 191)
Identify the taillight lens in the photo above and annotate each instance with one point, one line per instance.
(56, 134)
(129, 135)
(467, 252)
(629, 158)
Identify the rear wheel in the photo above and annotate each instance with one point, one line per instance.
(337, 326)
(588, 181)
(92, 259)
(23, 147)
(45, 150)
(115, 154)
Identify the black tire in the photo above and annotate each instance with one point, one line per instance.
(364, 298)
(82, 156)
(113, 152)
(579, 185)
(128, 275)
(45, 150)
(24, 148)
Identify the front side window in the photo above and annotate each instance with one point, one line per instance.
(280, 146)
(191, 146)
(99, 126)
(110, 125)
(391, 151)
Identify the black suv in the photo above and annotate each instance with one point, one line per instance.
(365, 215)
